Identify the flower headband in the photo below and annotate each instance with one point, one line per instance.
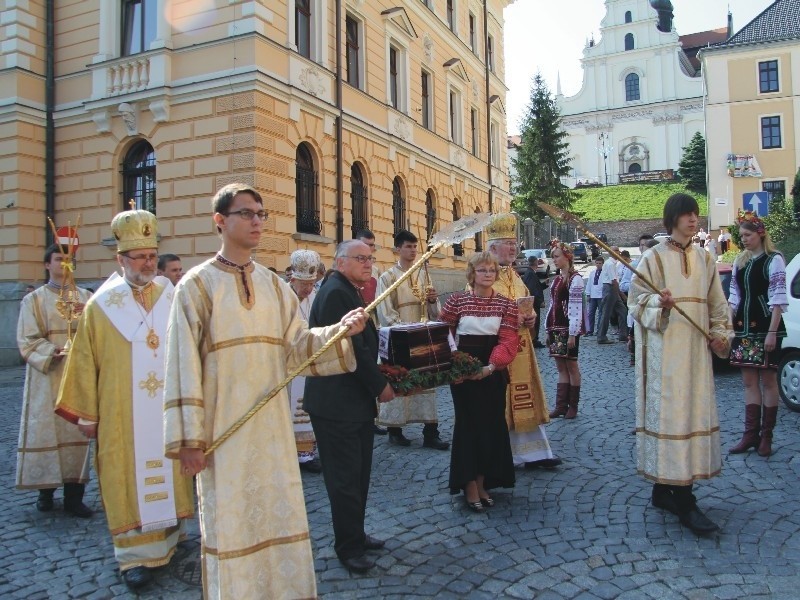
(748, 216)
(566, 249)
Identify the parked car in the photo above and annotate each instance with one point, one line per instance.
(594, 249)
(544, 264)
(660, 237)
(789, 358)
(580, 251)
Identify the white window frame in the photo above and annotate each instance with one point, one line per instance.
(475, 135)
(473, 41)
(110, 40)
(402, 74)
(494, 132)
(454, 27)
(758, 76)
(362, 55)
(430, 101)
(455, 106)
(319, 30)
(491, 55)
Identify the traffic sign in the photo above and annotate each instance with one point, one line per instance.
(65, 235)
(758, 202)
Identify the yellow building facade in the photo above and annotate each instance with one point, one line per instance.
(753, 111)
(345, 114)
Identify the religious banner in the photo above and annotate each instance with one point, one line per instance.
(743, 165)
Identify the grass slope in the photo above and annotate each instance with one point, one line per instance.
(630, 201)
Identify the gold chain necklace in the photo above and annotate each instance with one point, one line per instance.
(152, 340)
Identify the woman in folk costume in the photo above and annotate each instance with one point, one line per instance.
(526, 406)
(564, 328)
(305, 268)
(757, 300)
(486, 327)
(677, 427)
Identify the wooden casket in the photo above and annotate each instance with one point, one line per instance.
(422, 346)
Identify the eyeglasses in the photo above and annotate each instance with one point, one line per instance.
(247, 214)
(362, 259)
(144, 257)
(486, 271)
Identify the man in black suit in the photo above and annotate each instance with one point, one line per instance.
(531, 281)
(343, 409)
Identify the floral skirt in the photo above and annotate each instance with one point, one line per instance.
(557, 345)
(748, 351)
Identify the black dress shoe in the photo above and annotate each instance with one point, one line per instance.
(697, 521)
(371, 543)
(44, 503)
(398, 439)
(436, 443)
(77, 509)
(137, 577)
(358, 564)
(666, 502)
(538, 344)
(545, 463)
(377, 430)
(311, 466)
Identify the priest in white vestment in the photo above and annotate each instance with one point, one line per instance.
(51, 452)
(235, 332)
(305, 268)
(677, 426)
(112, 388)
(402, 306)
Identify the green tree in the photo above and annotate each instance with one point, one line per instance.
(692, 167)
(796, 196)
(543, 157)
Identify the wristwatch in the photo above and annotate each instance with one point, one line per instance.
(491, 368)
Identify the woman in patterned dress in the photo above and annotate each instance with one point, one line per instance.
(486, 325)
(757, 300)
(564, 327)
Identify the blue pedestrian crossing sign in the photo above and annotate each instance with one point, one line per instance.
(758, 202)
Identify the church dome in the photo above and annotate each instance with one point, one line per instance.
(665, 13)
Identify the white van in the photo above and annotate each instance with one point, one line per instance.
(789, 362)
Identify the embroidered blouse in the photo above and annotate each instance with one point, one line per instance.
(496, 315)
(776, 291)
(756, 290)
(565, 312)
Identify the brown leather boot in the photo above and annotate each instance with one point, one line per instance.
(562, 401)
(752, 424)
(768, 418)
(574, 397)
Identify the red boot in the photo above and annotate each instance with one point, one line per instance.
(574, 397)
(768, 419)
(752, 424)
(562, 401)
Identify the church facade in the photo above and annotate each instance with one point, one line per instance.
(641, 100)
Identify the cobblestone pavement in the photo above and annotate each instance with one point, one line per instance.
(582, 531)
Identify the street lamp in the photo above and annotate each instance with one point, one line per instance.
(604, 150)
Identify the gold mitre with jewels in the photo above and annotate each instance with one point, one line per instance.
(134, 230)
(304, 265)
(501, 226)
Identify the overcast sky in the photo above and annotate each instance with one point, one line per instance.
(551, 40)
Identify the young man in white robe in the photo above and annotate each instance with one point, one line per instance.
(112, 388)
(677, 427)
(235, 332)
(51, 452)
(402, 306)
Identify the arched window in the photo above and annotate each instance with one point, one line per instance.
(458, 249)
(398, 205)
(358, 197)
(306, 194)
(629, 41)
(635, 168)
(139, 178)
(628, 16)
(430, 214)
(632, 87)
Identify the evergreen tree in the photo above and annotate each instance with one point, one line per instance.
(692, 167)
(543, 157)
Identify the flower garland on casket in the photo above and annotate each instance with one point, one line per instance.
(406, 382)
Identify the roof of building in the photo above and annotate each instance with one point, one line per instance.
(693, 42)
(778, 21)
